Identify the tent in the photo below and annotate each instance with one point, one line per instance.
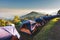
(40, 21)
(7, 32)
(28, 26)
(4, 35)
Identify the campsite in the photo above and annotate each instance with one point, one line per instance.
(29, 19)
(27, 29)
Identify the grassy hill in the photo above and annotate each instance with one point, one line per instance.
(44, 33)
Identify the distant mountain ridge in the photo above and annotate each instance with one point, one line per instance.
(32, 14)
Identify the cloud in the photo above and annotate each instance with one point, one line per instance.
(11, 12)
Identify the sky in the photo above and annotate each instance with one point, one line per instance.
(9, 8)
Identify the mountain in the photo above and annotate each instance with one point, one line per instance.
(32, 14)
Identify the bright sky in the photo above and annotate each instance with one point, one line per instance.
(21, 7)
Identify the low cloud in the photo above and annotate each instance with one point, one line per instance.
(20, 12)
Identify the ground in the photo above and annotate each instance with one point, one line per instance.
(54, 33)
(50, 32)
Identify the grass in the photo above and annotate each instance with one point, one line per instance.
(43, 34)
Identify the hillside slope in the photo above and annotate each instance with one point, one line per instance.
(50, 32)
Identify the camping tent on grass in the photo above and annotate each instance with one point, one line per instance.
(28, 27)
(9, 33)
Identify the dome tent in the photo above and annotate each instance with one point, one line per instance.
(28, 26)
(8, 33)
